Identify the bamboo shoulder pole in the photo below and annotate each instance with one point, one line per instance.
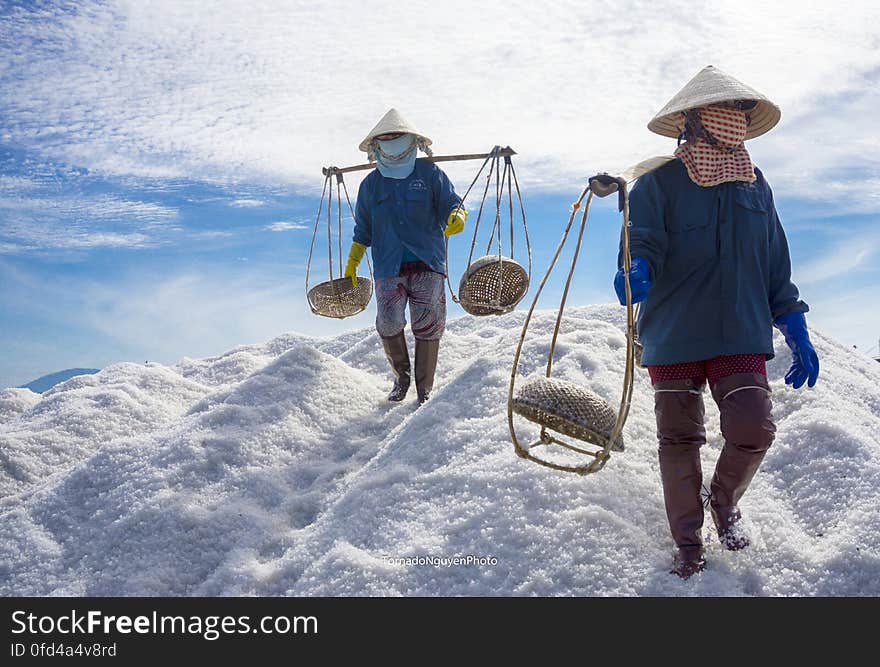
(504, 152)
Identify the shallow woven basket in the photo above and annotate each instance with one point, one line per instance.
(480, 291)
(337, 298)
(568, 409)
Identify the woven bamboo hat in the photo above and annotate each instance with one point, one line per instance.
(391, 122)
(712, 86)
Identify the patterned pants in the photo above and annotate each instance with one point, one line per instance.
(712, 370)
(426, 295)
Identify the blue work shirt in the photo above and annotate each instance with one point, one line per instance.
(394, 215)
(719, 262)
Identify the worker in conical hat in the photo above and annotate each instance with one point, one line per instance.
(711, 268)
(406, 208)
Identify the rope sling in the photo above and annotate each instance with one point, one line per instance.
(494, 284)
(336, 297)
(491, 285)
(563, 408)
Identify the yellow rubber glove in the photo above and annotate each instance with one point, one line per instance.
(355, 255)
(455, 222)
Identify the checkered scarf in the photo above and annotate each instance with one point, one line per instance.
(714, 152)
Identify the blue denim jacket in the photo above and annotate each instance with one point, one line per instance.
(720, 267)
(394, 215)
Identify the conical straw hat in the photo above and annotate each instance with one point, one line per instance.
(391, 122)
(712, 86)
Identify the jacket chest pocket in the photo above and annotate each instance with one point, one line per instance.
(751, 214)
(749, 203)
(418, 206)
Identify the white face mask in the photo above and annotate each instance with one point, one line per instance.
(396, 158)
(394, 150)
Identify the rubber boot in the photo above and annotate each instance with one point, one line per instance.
(688, 561)
(398, 356)
(678, 407)
(426, 365)
(748, 429)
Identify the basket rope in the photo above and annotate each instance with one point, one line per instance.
(490, 160)
(330, 234)
(523, 214)
(351, 209)
(352, 300)
(599, 457)
(315, 233)
(504, 181)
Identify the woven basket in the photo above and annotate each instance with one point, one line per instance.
(568, 409)
(481, 292)
(337, 298)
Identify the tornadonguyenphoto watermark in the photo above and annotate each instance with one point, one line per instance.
(427, 560)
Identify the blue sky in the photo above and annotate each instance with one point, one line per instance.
(160, 165)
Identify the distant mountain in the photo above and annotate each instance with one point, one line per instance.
(46, 382)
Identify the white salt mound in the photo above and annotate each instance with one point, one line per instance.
(15, 401)
(280, 469)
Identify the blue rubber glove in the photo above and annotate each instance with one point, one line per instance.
(804, 360)
(639, 281)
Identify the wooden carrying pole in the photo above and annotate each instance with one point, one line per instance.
(504, 152)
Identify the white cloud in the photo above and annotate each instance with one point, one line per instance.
(143, 316)
(845, 257)
(285, 226)
(247, 203)
(209, 234)
(16, 184)
(43, 218)
(272, 91)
